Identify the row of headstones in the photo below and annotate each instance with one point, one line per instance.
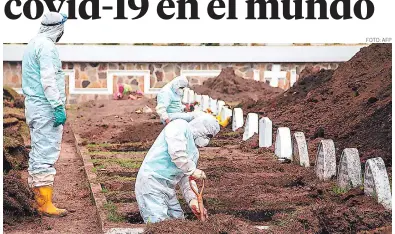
(294, 148)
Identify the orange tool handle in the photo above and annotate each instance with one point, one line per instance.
(199, 198)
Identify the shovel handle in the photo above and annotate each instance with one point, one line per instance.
(199, 196)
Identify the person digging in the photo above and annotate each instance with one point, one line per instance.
(43, 85)
(171, 161)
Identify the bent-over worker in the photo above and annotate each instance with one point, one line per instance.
(171, 160)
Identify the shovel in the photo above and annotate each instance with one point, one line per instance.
(199, 198)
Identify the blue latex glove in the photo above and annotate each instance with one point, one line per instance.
(60, 116)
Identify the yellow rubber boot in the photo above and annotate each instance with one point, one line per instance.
(43, 197)
(225, 123)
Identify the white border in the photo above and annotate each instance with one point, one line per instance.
(194, 54)
(203, 73)
(145, 73)
(74, 90)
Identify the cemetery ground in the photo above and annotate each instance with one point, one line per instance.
(246, 186)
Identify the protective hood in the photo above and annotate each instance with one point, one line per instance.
(52, 25)
(204, 125)
(179, 82)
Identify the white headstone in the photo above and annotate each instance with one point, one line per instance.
(220, 104)
(205, 102)
(300, 152)
(376, 182)
(251, 126)
(265, 132)
(213, 106)
(349, 169)
(274, 75)
(185, 96)
(198, 99)
(225, 113)
(283, 145)
(325, 162)
(293, 77)
(191, 96)
(238, 119)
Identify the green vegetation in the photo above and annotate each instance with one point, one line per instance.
(337, 190)
(112, 213)
(126, 163)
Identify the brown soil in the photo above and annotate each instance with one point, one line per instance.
(232, 88)
(115, 121)
(247, 185)
(215, 224)
(71, 191)
(351, 105)
(17, 199)
(256, 188)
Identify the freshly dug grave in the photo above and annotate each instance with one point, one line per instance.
(232, 88)
(351, 105)
(215, 224)
(256, 188)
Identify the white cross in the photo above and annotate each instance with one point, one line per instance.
(275, 75)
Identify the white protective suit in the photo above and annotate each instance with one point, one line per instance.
(171, 160)
(169, 104)
(43, 84)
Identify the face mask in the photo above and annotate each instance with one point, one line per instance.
(180, 92)
(60, 36)
(202, 141)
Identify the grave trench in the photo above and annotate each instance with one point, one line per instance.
(116, 167)
(218, 200)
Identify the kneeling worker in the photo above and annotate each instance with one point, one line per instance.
(171, 160)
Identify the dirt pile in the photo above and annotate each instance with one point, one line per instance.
(215, 224)
(16, 141)
(351, 105)
(17, 199)
(232, 88)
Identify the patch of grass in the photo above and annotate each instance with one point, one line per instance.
(337, 190)
(98, 145)
(231, 134)
(94, 170)
(104, 190)
(109, 153)
(123, 162)
(102, 179)
(112, 213)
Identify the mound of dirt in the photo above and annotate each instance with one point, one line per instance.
(143, 132)
(351, 105)
(17, 199)
(215, 224)
(351, 212)
(232, 88)
(12, 98)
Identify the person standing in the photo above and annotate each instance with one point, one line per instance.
(43, 84)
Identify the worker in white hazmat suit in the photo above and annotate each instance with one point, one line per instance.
(171, 160)
(43, 84)
(169, 106)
